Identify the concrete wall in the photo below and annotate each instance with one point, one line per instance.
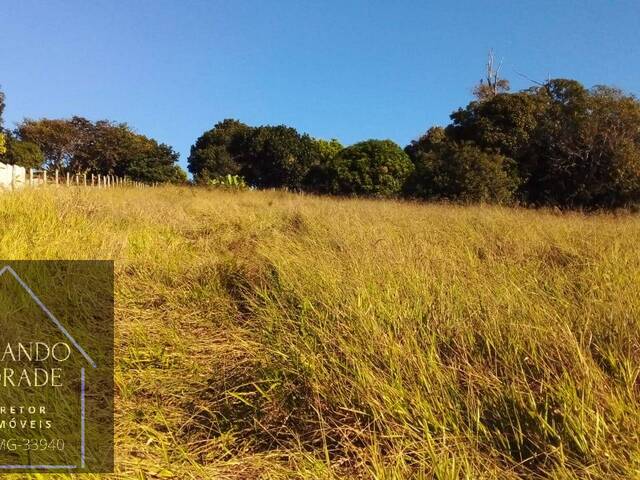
(6, 175)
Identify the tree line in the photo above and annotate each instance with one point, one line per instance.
(557, 143)
(78, 145)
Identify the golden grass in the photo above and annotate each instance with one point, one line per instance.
(270, 335)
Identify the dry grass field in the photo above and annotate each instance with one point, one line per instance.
(275, 336)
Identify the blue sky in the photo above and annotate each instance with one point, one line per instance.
(350, 69)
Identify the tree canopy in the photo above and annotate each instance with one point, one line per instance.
(102, 147)
(266, 156)
(571, 146)
(372, 167)
(216, 152)
(461, 171)
(25, 154)
(277, 156)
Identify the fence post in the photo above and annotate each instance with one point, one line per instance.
(44, 178)
(84, 179)
(68, 178)
(92, 179)
(13, 178)
(56, 177)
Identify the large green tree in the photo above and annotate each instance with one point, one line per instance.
(373, 167)
(586, 151)
(571, 146)
(277, 156)
(461, 171)
(266, 156)
(24, 154)
(149, 162)
(317, 178)
(505, 123)
(216, 152)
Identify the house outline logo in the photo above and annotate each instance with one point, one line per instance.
(78, 347)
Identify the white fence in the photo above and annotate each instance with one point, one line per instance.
(13, 177)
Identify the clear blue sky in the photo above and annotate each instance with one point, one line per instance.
(349, 69)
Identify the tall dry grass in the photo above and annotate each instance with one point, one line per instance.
(268, 335)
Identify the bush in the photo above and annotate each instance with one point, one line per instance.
(374, 167)
(229, 182)
(462, 172)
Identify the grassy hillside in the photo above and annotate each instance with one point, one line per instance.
(268, 335)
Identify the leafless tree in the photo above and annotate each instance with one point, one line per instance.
(492, 85)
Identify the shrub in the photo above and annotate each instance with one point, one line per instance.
(230, 182)
(373, 167)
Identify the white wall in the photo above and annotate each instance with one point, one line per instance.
(6, 175)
